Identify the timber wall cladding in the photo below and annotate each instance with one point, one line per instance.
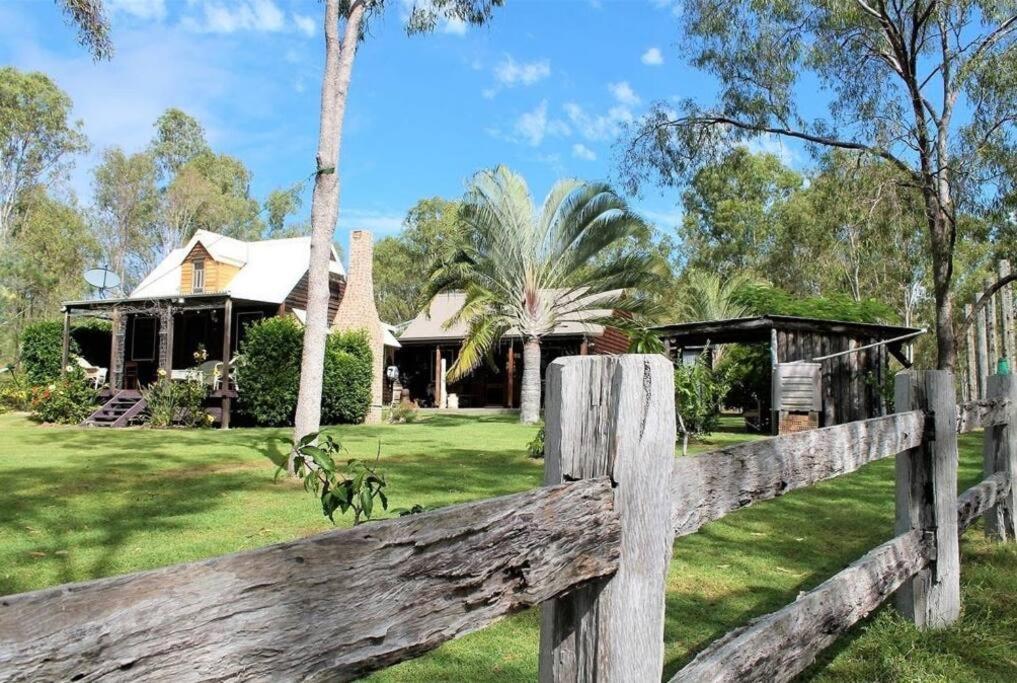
(217, 275)
(594, 551)
(848, 392)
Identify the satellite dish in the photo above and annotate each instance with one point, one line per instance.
(102, 279)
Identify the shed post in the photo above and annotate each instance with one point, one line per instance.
(1006, 304)
(437, 376)
(1000, 455)
(227, 352)
(613, 416)
(981, 350)
(65, 353)
(774, 399)
(926, 497)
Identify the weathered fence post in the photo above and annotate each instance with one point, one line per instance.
(972, 358)
(1000, 455)
(981, 350)
(927, 497)
(1006, 307)
(614, 416)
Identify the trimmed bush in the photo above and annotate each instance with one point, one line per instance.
(268, 371)
(268, 374)
(41, 351)
(346, 385)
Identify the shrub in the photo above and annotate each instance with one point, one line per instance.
(42, 351)
(170, 403)
(268, 374)
(68, 400)
(535, 449)
(346, 385)
(699, 391)
(404, 411)
(15, 391)
(268, 371)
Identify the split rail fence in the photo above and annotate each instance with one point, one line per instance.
(592, 547)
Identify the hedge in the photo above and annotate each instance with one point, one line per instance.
(346, 385)
(268, 374)
(42, 351)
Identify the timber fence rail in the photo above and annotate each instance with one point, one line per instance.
(592, 547)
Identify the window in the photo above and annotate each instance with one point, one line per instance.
(198, 279)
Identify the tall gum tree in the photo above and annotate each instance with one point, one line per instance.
(348, 17)
(921, 84)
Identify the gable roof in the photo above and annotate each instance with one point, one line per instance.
(269, 269)
(429, 325)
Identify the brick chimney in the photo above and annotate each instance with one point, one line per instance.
(358, 312)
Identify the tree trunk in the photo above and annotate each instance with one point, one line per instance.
(942, 275)
(325, 210)
(529, 403)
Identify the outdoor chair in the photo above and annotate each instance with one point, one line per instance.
(94, 374)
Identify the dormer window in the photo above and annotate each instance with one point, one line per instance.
(198, 279)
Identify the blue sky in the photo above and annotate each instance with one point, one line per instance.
(544, 88)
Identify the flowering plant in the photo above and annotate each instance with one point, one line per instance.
(201, 355)
(69, 400)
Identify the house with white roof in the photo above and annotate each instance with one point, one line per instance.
(194, 307)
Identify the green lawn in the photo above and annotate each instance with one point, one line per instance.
(80, 504)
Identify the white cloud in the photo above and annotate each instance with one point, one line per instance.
(379, 222)
(581, 151)
(598, 127)
(455, 27)
(534, 126)
(675, 6)
(624, 93)
(305, 24)
(666, 220)
(510, 73)
(262, 16)
(653, 57)
(140, 9)
(772, 144)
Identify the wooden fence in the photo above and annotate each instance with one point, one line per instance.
(592, 547)
(989, 332)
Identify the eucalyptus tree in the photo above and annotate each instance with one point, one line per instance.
(925, 85)
(350, 17)
(126, 203)
(37, 138)
(528, 269)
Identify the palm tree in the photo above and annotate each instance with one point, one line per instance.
(527, 270)
(708, 296)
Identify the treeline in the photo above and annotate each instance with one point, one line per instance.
(143, 203)
(844, 240)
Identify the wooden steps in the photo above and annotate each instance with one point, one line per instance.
(123, 408)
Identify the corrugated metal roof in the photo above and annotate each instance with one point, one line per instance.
(269, 269)
(429, 325)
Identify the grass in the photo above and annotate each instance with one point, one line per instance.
(80, 504)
